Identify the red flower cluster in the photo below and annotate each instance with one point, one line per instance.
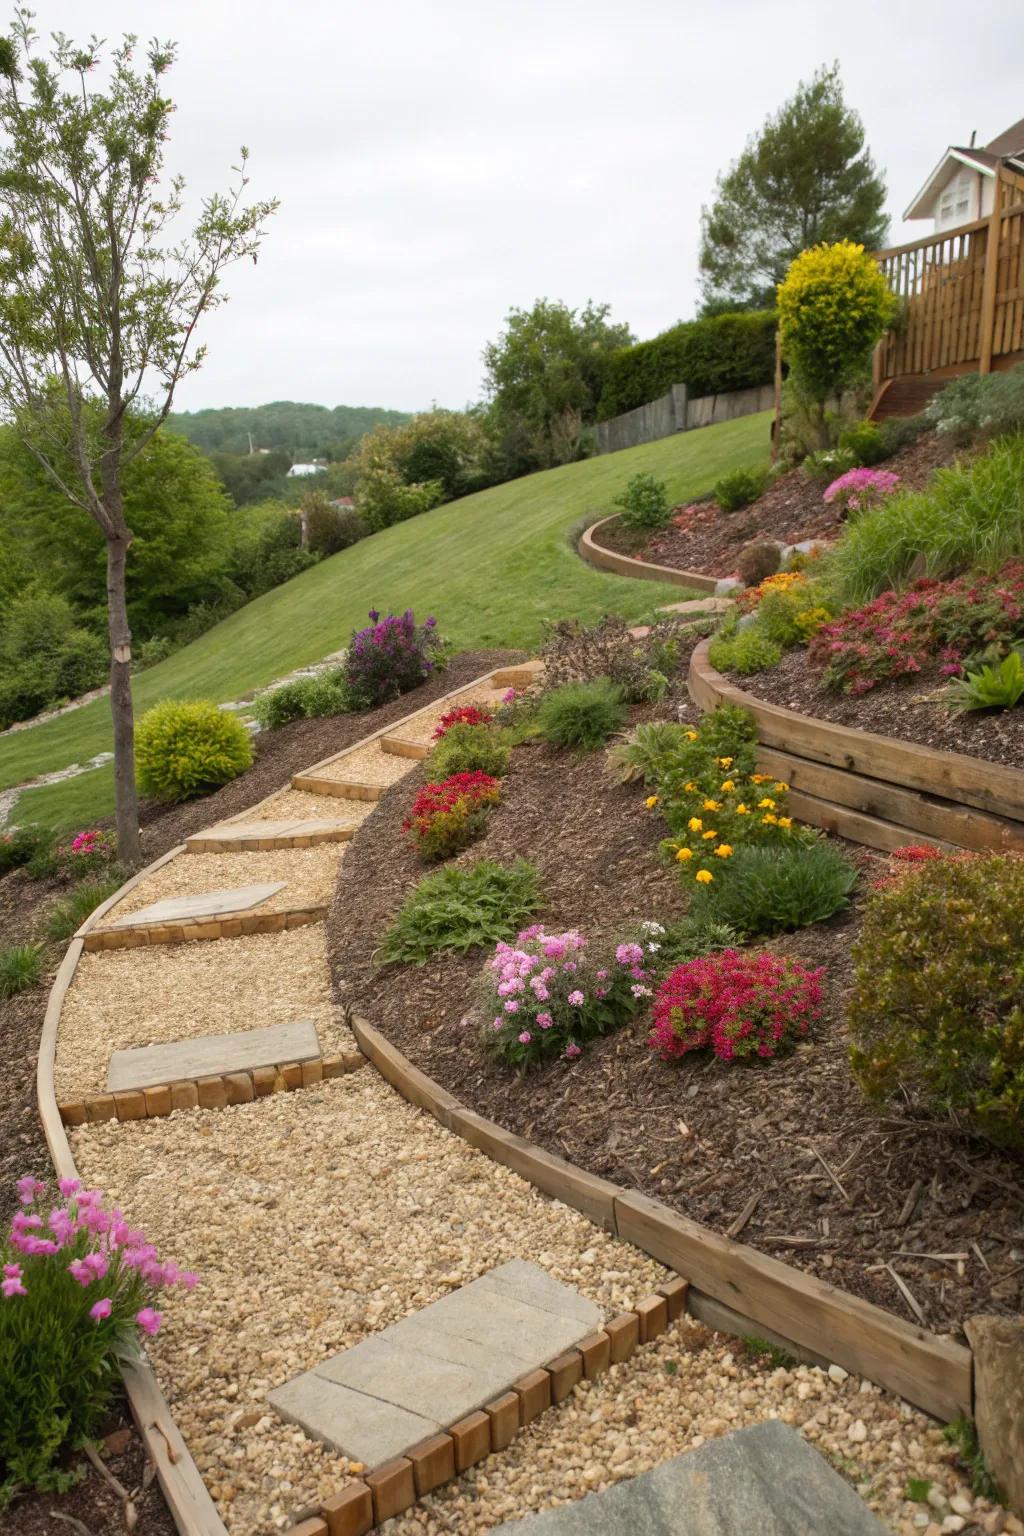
(467, 715)
(738, 1004)
(901, 633)
(447, 816)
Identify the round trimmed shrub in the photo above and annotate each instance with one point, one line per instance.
(582, 715)
(936, 1013)
(188, 747)
(469, 749)
(834, 305)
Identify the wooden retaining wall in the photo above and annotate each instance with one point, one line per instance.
(646, 570)
(757, 1292)
(874, 789)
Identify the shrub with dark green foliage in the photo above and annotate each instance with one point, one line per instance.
(582, 715)
(776, 888)
(740, 488)
(744, 651)
(305, 698)
(979, 405)
(756, 561)
(936, 1013)
(731, 351)
(468, 748)
(20, 968)
(45, 656)
(644, 503)
(865, 443)
(188, 747)
(462, 909)
(67, 915)
(25, 845)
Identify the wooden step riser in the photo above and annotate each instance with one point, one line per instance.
(204, 929)
(341, 789)
(203, 844)
(399, 748)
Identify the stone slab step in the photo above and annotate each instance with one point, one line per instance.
(436, 1366)
(761, 1481)
(245, 836)
(184, 909)
(212, 1055)
(520, 676)
(696, 606)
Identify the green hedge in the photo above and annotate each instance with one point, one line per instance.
(735, 351)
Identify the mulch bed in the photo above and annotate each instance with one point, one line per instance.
(907, 708)
(790, 511)
(700, 1135)
(23, 902)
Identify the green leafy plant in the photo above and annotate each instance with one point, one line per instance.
(582, 715)
(187, 747)
(918, 1489)
(21, 966)
(865, 442)
(644, 503)
(303, 698)
(78, 1287)
(776, 889)
(936, 1011)
(963, 1433)
(26, 845)
(740, 488)
(979, 405)
(67, 915)
(646, 752)
(467, 749)
(998, 685)
(745, 651)
(461, 909)
(763, 1349)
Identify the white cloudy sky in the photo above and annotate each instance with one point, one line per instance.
(439, 161)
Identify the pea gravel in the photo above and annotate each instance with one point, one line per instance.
(309, 873)
(368, 765)
(309, 807)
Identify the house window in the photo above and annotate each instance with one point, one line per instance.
(955, 202)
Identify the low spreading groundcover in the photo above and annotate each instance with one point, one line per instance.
(700, 1134)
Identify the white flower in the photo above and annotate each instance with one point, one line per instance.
(640, 991)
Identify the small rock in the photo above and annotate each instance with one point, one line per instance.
(960, 1504)
(837, 1374)
(857, 1432)
(954, 1523)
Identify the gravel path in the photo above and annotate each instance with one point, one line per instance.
(422, 726)
(369, 765)
(318, 1217)
(123, 998)
(310, 874)
(308, 807)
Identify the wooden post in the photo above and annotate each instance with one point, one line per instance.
(988, 291)
(777, 426)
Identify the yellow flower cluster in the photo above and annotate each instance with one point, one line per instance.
(716, 816)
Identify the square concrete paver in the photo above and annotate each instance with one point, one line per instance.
(761, 1481)
(176, 909)
(260, 831)
(210, 1055)
(418, 1376)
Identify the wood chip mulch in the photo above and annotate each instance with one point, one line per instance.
(790, 511)
(786, 1154)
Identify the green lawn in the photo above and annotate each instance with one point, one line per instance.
(492, 567)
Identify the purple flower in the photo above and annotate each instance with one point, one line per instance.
(101, 1309)
(525, 1037)
(512, 1006)
(576, 998)
(572, 1050)
(374, 615)
(544, 1021)
(149, 1321)
(12, 1286)
(28, 1188)
(81, 1272)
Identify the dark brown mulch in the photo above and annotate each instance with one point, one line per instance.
(906, 708)
(790, 511)
(700, 1135)
(23, 901)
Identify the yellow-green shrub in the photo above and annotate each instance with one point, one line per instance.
(834, 305)
(188, 747)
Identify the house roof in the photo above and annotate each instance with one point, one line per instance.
(1006, 145)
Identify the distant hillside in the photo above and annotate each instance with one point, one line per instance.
(303, 431)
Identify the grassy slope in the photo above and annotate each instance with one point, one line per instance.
(492, 567)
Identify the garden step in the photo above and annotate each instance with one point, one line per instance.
(183, 909)
(249, 836)
(211, 1055)
(520, 676)
(317, 784)
(765, 1478)
(399, 747)
(438, 1365)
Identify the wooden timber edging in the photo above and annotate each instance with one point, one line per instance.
(855, 782)
(931, 1372)
(646, 570)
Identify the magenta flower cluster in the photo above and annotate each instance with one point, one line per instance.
(546, 996)
(389, 657)
(95, 1246)
(860, 488)
(738, 1004)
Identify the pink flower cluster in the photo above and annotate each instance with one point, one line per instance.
(738, 1004)
(861, 488)
(113, 1248)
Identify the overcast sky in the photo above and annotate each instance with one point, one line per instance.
(439, 161)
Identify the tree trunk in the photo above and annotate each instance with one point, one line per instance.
(129, 847)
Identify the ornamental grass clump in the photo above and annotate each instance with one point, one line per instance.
(582, 715)
(78, 1290)
(21, 967)
(389, 657)
(188, 747)
(545, 996)
(740, 1005)
(447, 817)
(765, 889)
(936, 1014)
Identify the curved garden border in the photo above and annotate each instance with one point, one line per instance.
(733, 1286)
(645, 570)
(875, 789)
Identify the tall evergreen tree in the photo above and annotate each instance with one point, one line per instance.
(804, 178)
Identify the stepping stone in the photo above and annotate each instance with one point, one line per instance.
(765, 1480)
(176, 909)
(698, 605)
(436, 1366)
(212, 1055)
(247, 835)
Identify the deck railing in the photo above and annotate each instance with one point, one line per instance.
(961, 293)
